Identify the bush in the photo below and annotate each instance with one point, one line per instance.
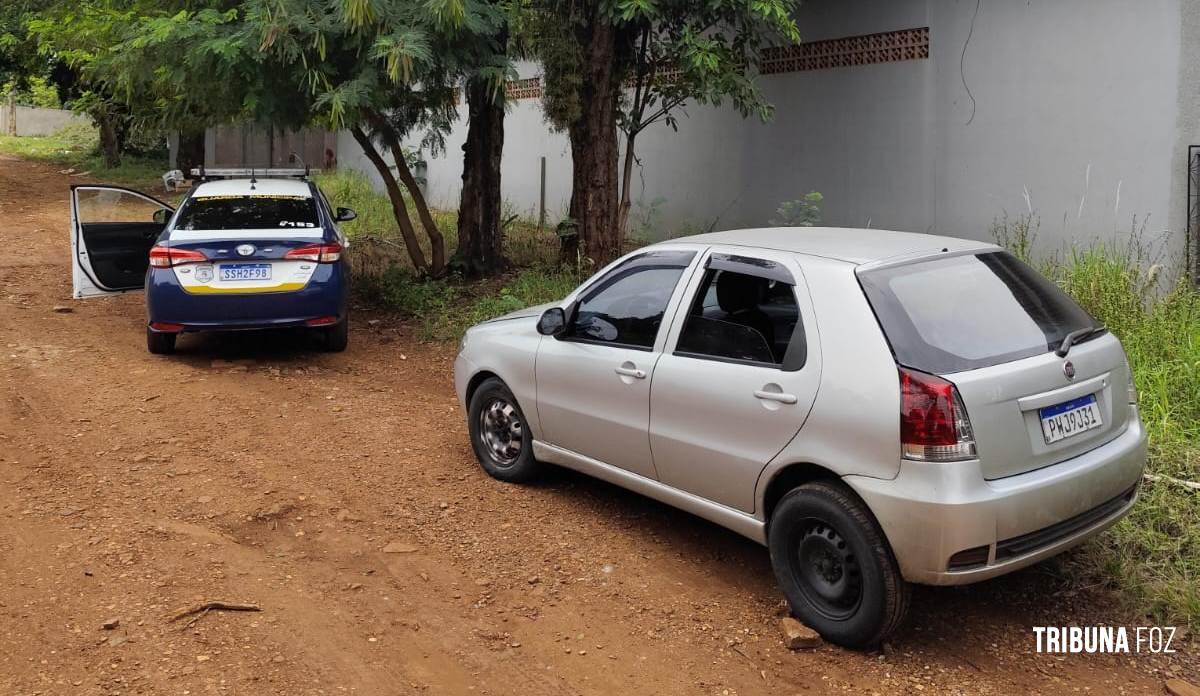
(802, 212)
(81, 137)
(446, 308)
(1153, 555)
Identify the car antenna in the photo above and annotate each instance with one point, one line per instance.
(253, 179)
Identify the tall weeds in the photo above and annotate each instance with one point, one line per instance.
(1152, 556)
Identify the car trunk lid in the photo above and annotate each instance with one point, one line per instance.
(994, 327)
(1008, 402)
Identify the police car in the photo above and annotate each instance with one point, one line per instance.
(243, 251)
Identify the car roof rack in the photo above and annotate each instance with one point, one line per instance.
(206, 174)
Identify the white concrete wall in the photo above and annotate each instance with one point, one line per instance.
(32, 120)
(1074, 100)
(1075, 106)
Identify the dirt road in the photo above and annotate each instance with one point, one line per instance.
(338, 492)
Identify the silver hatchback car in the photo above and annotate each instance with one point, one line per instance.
(877, 408)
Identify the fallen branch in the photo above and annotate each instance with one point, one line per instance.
(206, 607)
(1171, 479)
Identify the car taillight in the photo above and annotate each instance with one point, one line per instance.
(933, 421)
(321, 253)
(166, 257)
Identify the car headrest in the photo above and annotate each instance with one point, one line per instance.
(737, 292)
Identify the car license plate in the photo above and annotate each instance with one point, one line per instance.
(1070, 418)
(246, 271)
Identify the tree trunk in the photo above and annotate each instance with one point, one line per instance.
(480, 233)
(626, 182)
(399, 209)
(437, 243)
(594, 149)
(110, 141)
(191, 152)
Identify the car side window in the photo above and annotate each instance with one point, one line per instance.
(626, 307)
(744, 312)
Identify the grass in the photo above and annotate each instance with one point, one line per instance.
(524, 244)
(76, 147)
(1152, 556)
(445, 307)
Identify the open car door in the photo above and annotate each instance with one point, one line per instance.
(112, 230)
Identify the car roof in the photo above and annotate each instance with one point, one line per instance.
(261, 187)
(851, 244)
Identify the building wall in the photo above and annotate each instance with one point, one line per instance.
(1074, 115)
(1082, 112)
(247, 145)
(33, 120)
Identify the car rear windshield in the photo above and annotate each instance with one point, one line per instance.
(248, 213)
(967, 312)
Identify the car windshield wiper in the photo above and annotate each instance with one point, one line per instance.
(1077, 336)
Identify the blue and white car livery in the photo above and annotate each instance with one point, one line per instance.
(238, 254)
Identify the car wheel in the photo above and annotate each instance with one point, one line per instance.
(835, 566)
(502, 441)
(160, 343)
(337, 337)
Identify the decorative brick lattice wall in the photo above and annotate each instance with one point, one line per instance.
(868, 49)
(885, 47)
(529, 88)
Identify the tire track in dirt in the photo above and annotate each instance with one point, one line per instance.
(278, 475)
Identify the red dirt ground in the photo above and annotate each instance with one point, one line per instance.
(249, 469)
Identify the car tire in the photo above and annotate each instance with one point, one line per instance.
(160, 343)
(336, 337)
(835, 566)
(499, 434)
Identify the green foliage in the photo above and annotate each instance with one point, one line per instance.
(35, 91)
(445, 309)
(1153, 555)
(352, 189)
(710, 47)
(528, 287)
(376, 244)
(78, 138)
(803, 212)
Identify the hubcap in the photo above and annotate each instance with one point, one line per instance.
(502, 432)
(826, 570)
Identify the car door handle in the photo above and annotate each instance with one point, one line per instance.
(630, 372)
(775, 396)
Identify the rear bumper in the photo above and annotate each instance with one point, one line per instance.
(323, 296)
(931, 512)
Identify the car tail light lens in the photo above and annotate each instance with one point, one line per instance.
(166, 257)
(321, 253)
(166, 326)
(320, 321)
(933, 421)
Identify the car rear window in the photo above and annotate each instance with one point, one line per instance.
(967, 312)
(248, 213)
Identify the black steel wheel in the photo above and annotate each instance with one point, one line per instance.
(835, 565)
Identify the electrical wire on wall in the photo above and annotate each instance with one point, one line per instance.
(962, 72)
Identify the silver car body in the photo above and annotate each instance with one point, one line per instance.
(718, 439)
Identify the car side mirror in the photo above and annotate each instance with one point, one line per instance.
(553, 322)
(344, 214)
(161, 216)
